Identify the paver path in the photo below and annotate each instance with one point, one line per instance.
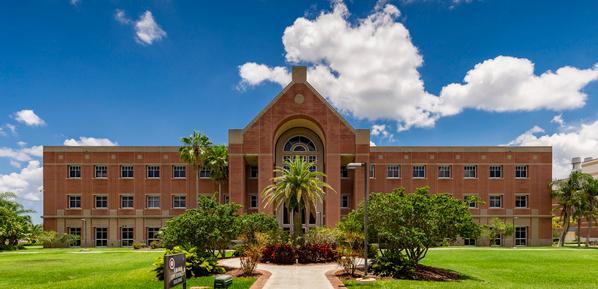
(292, 276)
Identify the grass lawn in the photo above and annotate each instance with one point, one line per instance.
(94, 268)
(507, 268)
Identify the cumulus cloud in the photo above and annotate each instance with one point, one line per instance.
(380, 130)
(576, 141)
(27, 183)
(28, 117)
(21, 155)
(558, 119)
(372, 144)
(89, 141)
(147, 30)
(369, 69)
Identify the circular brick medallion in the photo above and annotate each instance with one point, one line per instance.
(299, 98)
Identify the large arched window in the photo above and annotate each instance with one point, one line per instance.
(299, 144)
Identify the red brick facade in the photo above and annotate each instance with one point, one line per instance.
(298, 111)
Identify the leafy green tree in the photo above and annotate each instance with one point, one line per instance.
(407, 225)
(297, 187)
(216, 161)
(210, 227)
(15, 224)
(497, 227)
(193, 150)
(567, 194)
(591, 189)
(250, 225)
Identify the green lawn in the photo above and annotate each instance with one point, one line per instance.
(94, 268)
(507, 268)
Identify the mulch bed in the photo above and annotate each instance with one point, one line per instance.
(422, 272)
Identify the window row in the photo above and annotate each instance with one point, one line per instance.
(445, 171)
(496, 201)
(520, 236)
(127, 202)
(128, 172)
(100, 236)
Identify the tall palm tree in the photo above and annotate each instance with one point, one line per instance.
(591, 189)
(216, 161)
(566, 192)
(297, 187)
(193, 150)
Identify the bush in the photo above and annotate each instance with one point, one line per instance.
(279, 254)
(197, 263)
(392, 264)
(316, 253)
(51, 239)
(321, 235)
(155, 245)
(259, 223)
(251, 253)
(238, 250)
(137, 245)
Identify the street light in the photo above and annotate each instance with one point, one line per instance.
(82, 238)
(354, 166)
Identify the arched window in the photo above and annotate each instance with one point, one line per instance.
(299, 144)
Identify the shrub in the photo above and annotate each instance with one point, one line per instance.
(321, 235)
(279, 254)
(197, 263)
(238, 250)
(155, 244)
(51, 239)
(259, 223)
(316, 253)
(392, 264)
(251, 253)
(137, 245)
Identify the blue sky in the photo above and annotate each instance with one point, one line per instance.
(88, 71)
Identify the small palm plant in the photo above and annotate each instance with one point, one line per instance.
(193, 150)
(297, 187)
(216, 161)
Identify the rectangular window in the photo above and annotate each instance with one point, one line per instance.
(101, 237)
(126, 237)
(74, 202)
(101, 172)
(253, 172)
(470, 171)
(469, 242)
(152, 235)
(444, 172)
(496, 241)
(393, 171)
(344, 201)
(419, 171)
(310, 159)
(101, 202)
(204, 173)
(495, 202)
(253, 201)
(126, 172)
(344, 172)
(74, 171)
(153, 172)
(76, 232)
(520, 236)
(226, 199)
(471, 203)
(179, 172)
(179, 202)
(495, 171)
(521, 201)
(372, 171)
(521, 172)
(126, 202)
(153, 202)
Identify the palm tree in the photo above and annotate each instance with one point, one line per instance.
(566, 191)
(193, 151)
(216, 161)
(297, 187)
(591, 189)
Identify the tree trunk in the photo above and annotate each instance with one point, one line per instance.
(578, 232)
(590, 219)
(220, 193)
(296, 224)
(197, 185)
(565, 229)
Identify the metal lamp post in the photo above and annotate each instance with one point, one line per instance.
(83, 233)
(354, 166)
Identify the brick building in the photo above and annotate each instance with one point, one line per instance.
(113, 196)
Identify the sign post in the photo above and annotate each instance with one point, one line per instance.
(174, 271)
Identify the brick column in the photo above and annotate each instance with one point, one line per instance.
(265, 174)
(332, 200)
(236, 179)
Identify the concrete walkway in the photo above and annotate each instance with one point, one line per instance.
(292, 276)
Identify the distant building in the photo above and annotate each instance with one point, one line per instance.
(586, 165)
(112, 196)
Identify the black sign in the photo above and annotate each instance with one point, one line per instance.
(174, 270)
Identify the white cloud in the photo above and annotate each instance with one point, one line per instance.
(21, 143)
(75, 2)
(380, 130)
(578, 141)
(372, 144)
(26, 183)
(558, 119)
(369, 69)
(121, 17)
(2, 132)
(89, 141)
(15, 164)
(21, 155)
(147, 30)
(11, 127)
(28, 117)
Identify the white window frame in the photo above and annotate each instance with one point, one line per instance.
(345, 199)
(95, 201)
(155, 237)
(73, 168)
(204, 173)
(77, 232)
(448, 168)
(500, 200)
(129, 240)
(253, 197)
(68, 198)
(418, 169)
(521, 241)
(127, 168)
(147, 201)
(147, 171)
(372, 171)
(497, 237)
(104, 238)
(253, 172)
(174, 201)
(132, 201)
(98, 169)
(526, 196)
(469, 241)
(475, 171)
(392, 168)
(469, 203)
(521, 169)
(500, 170)
(178, 169)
